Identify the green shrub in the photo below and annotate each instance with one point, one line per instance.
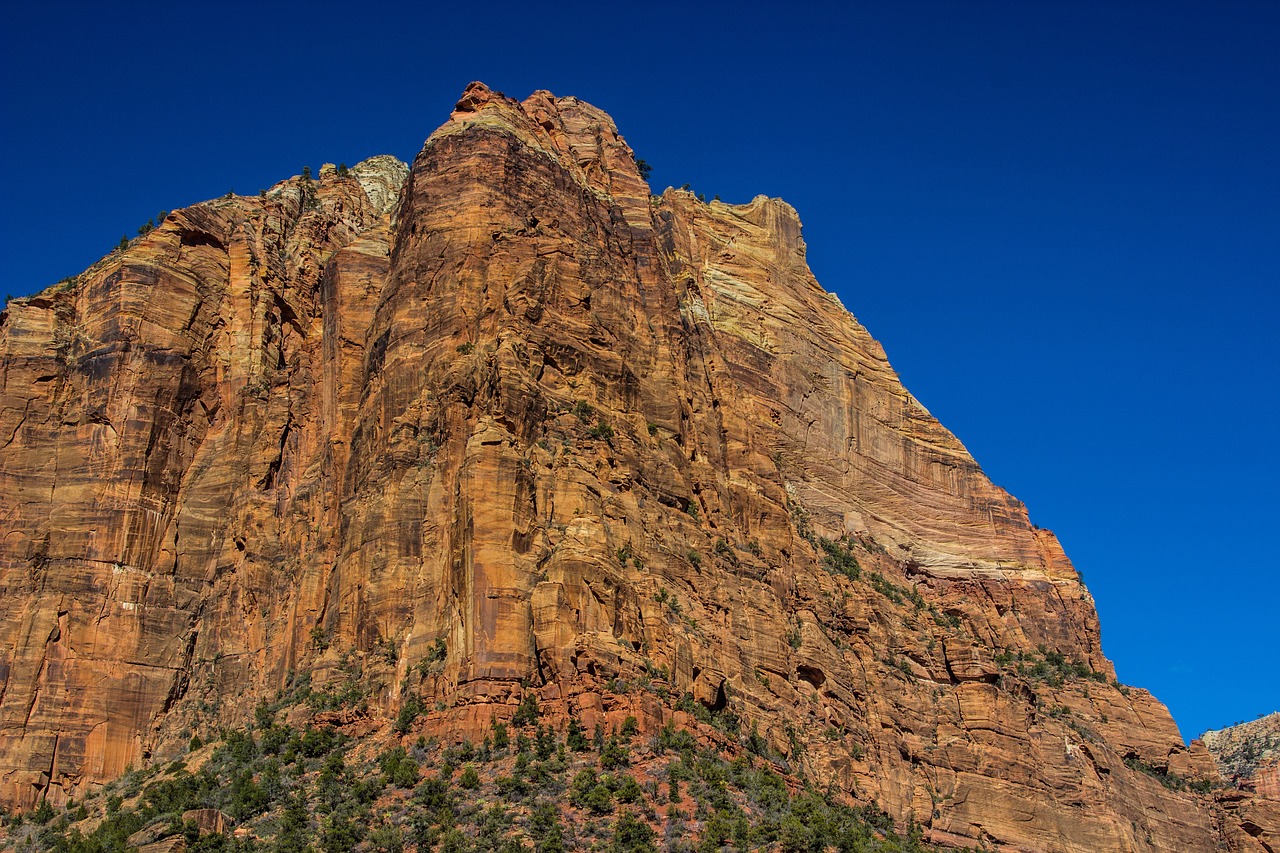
(631, 835)
(671, 738)
(501, 740)
(318, 742)
(601, 431)
(1049, 666)
(544, 743)
(884, 587)
(614, 754)
(1163, 775)
(341, 833)
(839, 559)
(398, 768)
(469, 779)
(42, 813)
(586, 791)
(527, 712)
(629, 791)
(410, 708)
(433, 793)
(244, 798)
(599, 800)
(576, 739)
(545, 828)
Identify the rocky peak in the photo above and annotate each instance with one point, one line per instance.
(475, 96)
(581, 138)
(382, 179)
(545, 436)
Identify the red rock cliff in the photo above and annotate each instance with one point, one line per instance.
(511, 406)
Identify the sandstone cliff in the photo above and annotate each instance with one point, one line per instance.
(1248, 758)
(1248, 754)
(504, 422)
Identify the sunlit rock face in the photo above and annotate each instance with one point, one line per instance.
(506, 421)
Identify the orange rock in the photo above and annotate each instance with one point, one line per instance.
(208, 821)
(512, 421)
(1248, 754)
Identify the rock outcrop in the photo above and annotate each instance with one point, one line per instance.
(1248, 754)
(1248, 758)
(506, 421)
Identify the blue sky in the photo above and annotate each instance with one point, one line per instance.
(1062, 219)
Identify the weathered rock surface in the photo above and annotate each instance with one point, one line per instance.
(1248, 754)
(508, 420)
(1248, 758)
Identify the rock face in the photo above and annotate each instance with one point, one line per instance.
(506, 421)
(1248, 757)
(1248, 754)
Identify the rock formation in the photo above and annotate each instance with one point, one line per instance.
(1248, 758)
(505, 421)
(1248, 754)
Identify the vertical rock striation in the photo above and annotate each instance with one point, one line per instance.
(507, 420)
(167, 462)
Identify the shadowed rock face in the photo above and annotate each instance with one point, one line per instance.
(508, 402)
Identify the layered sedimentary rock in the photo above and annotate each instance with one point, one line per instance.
(508, 422)
(1248, 758)
(1248, 754)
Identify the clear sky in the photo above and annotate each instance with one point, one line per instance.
(1062, 219)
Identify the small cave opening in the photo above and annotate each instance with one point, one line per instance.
(719, 702)
(811, 675)
(188, 237)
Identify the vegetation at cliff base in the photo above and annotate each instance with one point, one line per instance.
(526, 787)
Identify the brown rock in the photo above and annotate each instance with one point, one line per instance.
(519, 422)
(176, 844)
(149, 834)
(1253, 822)
(170, 395)
(1248, 754)
(208, 821)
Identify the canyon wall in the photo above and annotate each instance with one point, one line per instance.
(505, 421)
